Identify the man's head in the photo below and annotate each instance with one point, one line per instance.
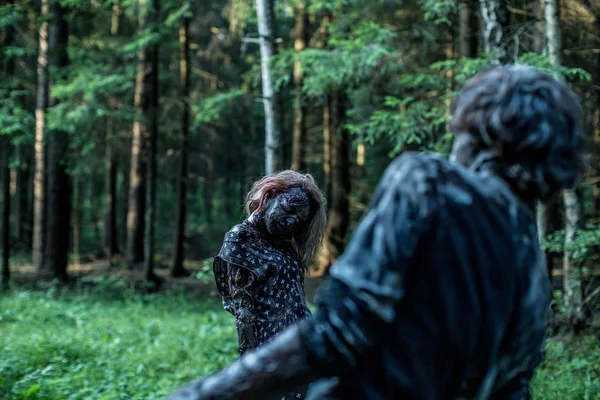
(522, 123)
(291, 206)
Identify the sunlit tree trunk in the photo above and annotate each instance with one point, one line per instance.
(264, 13)
(327, 128)
(177, 268)
(40, 127)
(338, 217)
(139, 150)
(300, 108)
(573, 212)
(59, 200)
(151, 115)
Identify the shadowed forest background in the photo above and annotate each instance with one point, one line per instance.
(131, 131)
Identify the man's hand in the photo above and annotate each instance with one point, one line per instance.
(270, 372)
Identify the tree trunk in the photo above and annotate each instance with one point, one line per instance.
(467, 29)
(124, 203)
(23, 222)
(151, 115)
(339, 212)
(553, 34)
(177, 268)
(77, 214)
(539, 42)
(5, 273)
(264, 13)
(571, 273)
(40, 126)
(59, 201)
(495, 18)
(139, 150)
(209, 180)
(573, 210)
(300, 108)
(109, 238)
(327, 127)
(9, 70)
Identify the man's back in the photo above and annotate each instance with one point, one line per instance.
(442, 291)
(475, 295)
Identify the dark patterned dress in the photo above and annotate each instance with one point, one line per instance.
(262, 284)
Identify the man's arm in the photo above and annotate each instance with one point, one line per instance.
(356, 306)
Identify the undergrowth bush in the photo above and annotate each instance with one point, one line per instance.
(107, 342)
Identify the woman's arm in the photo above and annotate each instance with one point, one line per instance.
(240, 282)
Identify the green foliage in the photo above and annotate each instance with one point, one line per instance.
(584, 247)
(571, 370)
(439, 11)
(213, 108)
(108, 343)
(418, 116)
(9, 16)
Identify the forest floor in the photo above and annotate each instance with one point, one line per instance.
(101, 338)
(200, 284)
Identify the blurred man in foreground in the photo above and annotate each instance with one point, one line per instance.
(442, 291)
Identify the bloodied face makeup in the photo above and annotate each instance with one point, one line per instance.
(286, 211)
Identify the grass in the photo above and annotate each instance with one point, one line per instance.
(108, 343)
(99, 346)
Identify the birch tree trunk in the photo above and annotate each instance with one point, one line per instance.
(494, 15)
(39, 147)
(573, 211)
(265, 17)
(300, 109)
(177, 268)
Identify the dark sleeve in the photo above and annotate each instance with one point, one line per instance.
(367, 281)
(240, 282)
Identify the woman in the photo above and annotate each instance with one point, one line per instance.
(260, 268)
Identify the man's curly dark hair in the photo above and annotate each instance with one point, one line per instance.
(526, 125)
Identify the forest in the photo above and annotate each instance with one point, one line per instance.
(132, 130)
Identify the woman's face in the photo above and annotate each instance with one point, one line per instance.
(286, 211)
